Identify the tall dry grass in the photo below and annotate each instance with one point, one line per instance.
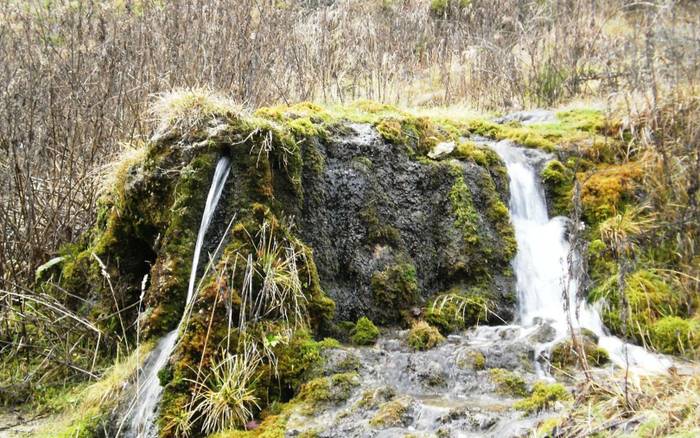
(76, 75)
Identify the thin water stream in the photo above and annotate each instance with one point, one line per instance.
(148, 395)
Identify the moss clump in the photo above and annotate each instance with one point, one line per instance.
(468, 150)
(328, 390)
(543, 397)
(377, 230)
(474, 360)
(650, 299)
(423, 336)
(508, 382)
(299, 360)
(608, 189)
(564, 354)
(558, 182)
(675, 335)
(365, 332)
(394, 290)
(390, 130)
(467, 218)
(392, 413)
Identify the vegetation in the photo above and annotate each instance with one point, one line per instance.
(88, 245)
(423, 336)
(509, 382)
(395, 289)
(364, 332)
(543, 397)
(391, 413)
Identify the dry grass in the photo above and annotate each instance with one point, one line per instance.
(656, 406)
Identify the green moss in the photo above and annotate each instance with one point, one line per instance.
(328, 390)
(423, 336)
(508, 382)
(394, 289)
(558, 182)
(390, 130)
(378, 231)
(564, 354)
(543, 397)
(300, 359)
(365, 332)
(392, 413)
(474, 360)
(605, 191)
(467, 218)
(650, 299)
(525, 136)
(675, 335)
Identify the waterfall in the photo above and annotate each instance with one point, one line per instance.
(148, 394)
(540, 264)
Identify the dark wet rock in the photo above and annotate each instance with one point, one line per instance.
(374, 207)
(543, 334)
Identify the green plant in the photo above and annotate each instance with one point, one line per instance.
(543, 397)
(675, 335)
(456, 310)
(226, 397)
(364, 332)
(423, 336)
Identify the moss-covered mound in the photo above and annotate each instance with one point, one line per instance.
(327, 216)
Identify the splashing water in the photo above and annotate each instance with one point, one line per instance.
(541, 269)
(142, 420)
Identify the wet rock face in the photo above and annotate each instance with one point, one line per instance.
(428, 393)
(373, 207)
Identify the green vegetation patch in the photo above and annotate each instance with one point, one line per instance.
(423, 336)
(364, 332)
(509, 382)
(543, 397)
(394, 290)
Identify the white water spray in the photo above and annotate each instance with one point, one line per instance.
(540, 265)
(148, 395)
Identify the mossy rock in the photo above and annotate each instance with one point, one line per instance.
(423, 336)
(472, 360)
(543, 397)
(394, 289)
(558, 182)
(328, 390)
(508, 382)
(564, 355)
(392, 414)
(457, 309)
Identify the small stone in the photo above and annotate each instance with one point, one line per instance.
(442, 149)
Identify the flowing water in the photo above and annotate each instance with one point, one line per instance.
(149, 392)
(541, 268)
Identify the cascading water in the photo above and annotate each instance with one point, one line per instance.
(540, 264)
(148, 394)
